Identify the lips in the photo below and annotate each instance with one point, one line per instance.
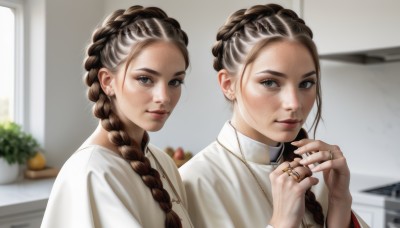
(160, 112)
(289, 121)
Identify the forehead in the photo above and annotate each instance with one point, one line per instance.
(159, 55)
(284, 56)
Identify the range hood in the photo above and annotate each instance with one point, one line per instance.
(372, 56)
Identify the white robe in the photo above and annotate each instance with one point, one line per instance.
(98, 188)
(222, 192)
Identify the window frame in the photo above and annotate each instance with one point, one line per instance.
(19, 106)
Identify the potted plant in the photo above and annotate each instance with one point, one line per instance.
(16, 147)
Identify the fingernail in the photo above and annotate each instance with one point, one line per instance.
(315, 169)
(294, 142)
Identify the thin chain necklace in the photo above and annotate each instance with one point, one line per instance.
(164, 174)
(244, 161)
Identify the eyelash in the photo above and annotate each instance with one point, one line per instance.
(145, 80)
(179, 81)
(310, 82)
(267, 83)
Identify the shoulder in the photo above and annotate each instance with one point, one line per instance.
(94, 158)
(166, 162)
(94, 164)
(205, 166)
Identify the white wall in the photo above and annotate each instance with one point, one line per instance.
(202, 110)
(361, 103)
(361, 109)
(59, 114)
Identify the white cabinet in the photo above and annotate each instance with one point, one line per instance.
(28, 220)
(345, 26)
(22, 204)
(373, 216)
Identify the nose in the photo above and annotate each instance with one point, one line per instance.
(291, 99)
(162, 94)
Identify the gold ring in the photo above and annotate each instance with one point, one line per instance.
(330, 155)
(296, 176)
(289, 168)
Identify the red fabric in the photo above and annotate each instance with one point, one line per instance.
(354, 221)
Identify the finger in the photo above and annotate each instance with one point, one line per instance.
(312, 146)
(315, 158)
(308, 182)
(295, 163)
(301, 172)
(285, 166)
(336, 163)
(301, 142)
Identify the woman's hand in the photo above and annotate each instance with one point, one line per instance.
(289, 183)
(329, 159)
(331, 162)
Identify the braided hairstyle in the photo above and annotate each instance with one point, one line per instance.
(118, 40)
(241, 38)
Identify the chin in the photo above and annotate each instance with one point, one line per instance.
(287, 137)
(154, 128)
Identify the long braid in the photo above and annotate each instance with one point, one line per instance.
(312, 204)
(236, 46)
(111, 45)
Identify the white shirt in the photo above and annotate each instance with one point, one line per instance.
(222, 192)
(98, 188)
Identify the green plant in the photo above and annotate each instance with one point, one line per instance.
(16, 146)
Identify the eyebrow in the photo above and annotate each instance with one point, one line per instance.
(151, 71)
(280, 74)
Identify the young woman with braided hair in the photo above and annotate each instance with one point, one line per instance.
(135, 66)
(253, 175)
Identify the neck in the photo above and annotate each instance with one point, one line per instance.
(244, 128)
(101, 137)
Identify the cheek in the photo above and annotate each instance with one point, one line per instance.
(176, 95)
(309, 100)
(260, 100)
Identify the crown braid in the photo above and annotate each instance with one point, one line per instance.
(111, 45)
(246, 27)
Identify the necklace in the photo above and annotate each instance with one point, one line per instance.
(164, 174)
(243, 160)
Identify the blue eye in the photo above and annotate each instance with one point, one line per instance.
(270, 83)
(307, 84)
(144, 80)
(176, 82)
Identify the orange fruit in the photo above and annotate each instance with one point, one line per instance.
(37, 162)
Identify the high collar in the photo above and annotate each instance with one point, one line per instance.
(253, 151)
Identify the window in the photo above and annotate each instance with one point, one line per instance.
(11, 97)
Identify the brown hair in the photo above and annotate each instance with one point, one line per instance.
(118, 40)
(242, 37)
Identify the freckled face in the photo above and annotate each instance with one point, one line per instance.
(151, 88)
(277, 93)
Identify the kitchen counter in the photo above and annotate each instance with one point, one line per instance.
(24, 196)
(360, 182)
